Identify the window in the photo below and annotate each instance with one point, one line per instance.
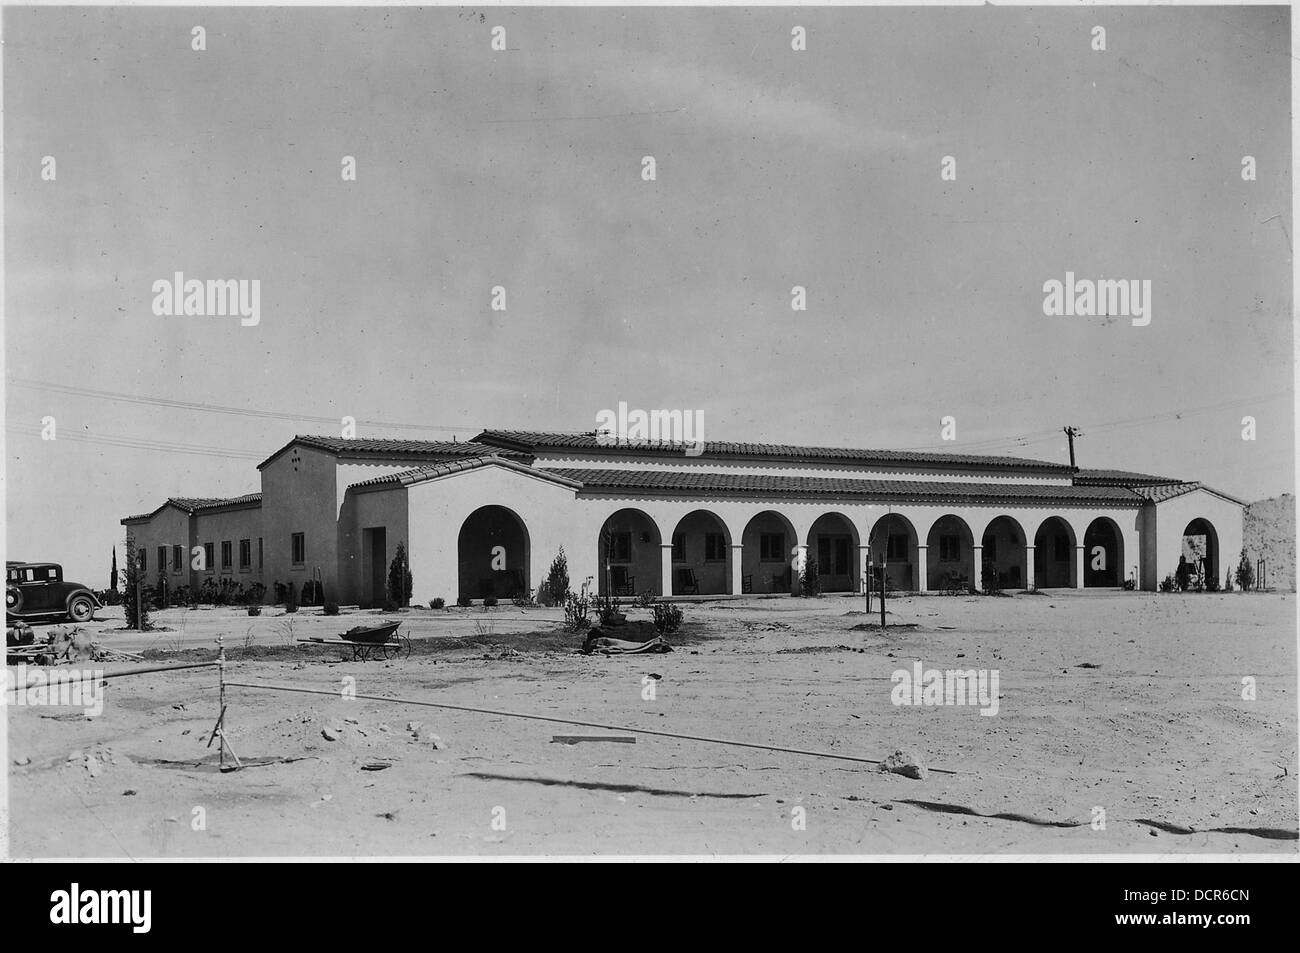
(1061, 549)
(259, 552)
(298, 545)
(896, 548)
(245, 554)
(178, 558)
(142, 557)
(162, 559)
(771, 546)
(209, 558)
(620, 547)
(679, 547)
(226, 560)
(715, 547)
(949, 548)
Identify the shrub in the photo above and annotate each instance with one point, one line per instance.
(254, 610)
(438, 603)
(1168, 584)
(137, 612)
(668, 617)
(1245, 572)
(331, 608)
(399, 578)
(489, 601)
(1211, 584)
(575, 611)
(645, 600)
(1183, 575)
(810, 583)
(1227, 582)
(607, 608)
(281, 593)
(313, 593)
(463, 600)
(1130, 585)
(555, 589)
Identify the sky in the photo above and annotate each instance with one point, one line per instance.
(523, 169)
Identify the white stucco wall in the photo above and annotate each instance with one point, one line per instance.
(1171, 517)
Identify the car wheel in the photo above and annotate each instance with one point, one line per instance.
(13, 600)
(81, 609)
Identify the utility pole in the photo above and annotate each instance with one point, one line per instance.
(1072, 432)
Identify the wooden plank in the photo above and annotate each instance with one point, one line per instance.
(576, 739)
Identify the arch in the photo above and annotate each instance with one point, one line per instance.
(765, 561)
(1200, 548)
(893, 545)
(1103, 553)
(701, 554)
(833, 542)
(1054, 554)
(950, 559)
(493, 554)
(1003, 555)
(629, 559)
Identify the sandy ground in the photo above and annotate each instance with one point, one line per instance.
(1157, 734)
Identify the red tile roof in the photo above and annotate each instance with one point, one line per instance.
(192, 505)
(378, 448)
(919, 491)
(434, 470)
(533, 442)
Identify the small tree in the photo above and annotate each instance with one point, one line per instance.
(1245, 572)
(1227, 582)
(810, 581)
(133, 599)
(112, 575)
(556, 587)
(399, 578)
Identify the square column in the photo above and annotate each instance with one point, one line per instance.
(1078, 567)
(922, 557)
(737, 576)
(977, 570)
(1029, 566)
(797, 566)
(864, 558)
(666, 570)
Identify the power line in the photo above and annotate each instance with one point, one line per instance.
(220, 408)
(138, 443)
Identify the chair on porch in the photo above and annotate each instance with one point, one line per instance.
(687, 584)
(621, 582)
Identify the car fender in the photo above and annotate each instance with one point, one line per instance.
(67, 603)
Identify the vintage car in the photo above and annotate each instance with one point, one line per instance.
(37, 592)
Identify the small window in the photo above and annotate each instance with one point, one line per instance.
(162, 558)
(949, 548)
(715, 547)
(142, 557)
(298, 545)
(209, 558)
(679, 547)
(178, 558)
(620, 547)
(896, 548)
(226, 554)
(771, 546)
(245, 554)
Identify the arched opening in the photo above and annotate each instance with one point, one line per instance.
(1201, 552)
(701, 555)
(766, 554)
(629, 556)
(493, 554)
(950, 560)
(1054, 554)
(1003, 556)
(893, 550)
(833, 542)
(1103, 554)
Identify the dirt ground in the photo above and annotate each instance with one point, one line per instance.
(1126, 702)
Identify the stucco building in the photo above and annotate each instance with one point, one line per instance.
(486, 517)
